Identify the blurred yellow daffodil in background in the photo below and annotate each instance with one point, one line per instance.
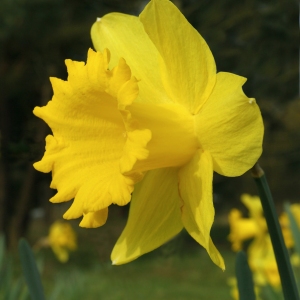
(62, 240)
(148, 114)
(242, 229)
(260, 252)
(253, 205)
(262, 262)
(285, 224)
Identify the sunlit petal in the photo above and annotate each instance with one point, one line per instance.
(195, 187)
(94, 219)
(154, 216)
(187, 66)
(230, 127)
(125, 37)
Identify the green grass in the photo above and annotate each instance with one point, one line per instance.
(155, 276)
(181, 269)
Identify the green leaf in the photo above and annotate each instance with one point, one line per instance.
(244, 277)
(30, 271)
(267, 292)
(2, 249)
(6, 276)
(288, 282)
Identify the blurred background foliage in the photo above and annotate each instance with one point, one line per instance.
(257, 39)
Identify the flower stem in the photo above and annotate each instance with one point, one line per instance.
(288, 281)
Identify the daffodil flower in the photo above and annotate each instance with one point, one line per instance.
(62, 240)
(285, 224)
(241, 229)
(253, 205)
(262, 262)
(148, 114)
(256, 213)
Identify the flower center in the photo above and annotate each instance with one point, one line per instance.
(173, 141)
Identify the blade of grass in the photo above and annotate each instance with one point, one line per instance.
(267, 292)
(30, 271)
(16, 289)
(2, 249)
(244, 277)
(288, 282)
(6, 276)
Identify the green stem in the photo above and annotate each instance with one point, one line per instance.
(288, 282)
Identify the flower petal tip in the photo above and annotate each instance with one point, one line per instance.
(36, 111)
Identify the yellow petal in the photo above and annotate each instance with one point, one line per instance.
(187, 65)
(125, 37)
(195, 188)
(94, 219)
(92, 132)
(230, 127)
(154, 216)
